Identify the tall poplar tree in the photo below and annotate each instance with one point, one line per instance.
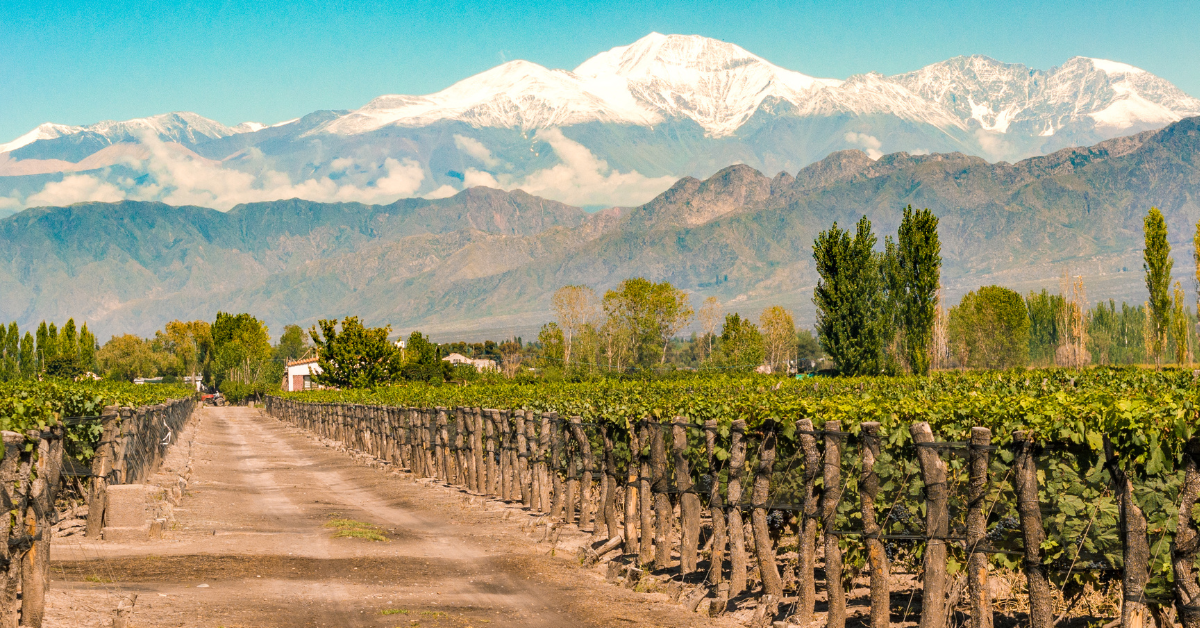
(919, 254)
(849, 298)
(1157, 264)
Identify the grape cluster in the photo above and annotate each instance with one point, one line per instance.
(1002, 526)
(776, 520)
(890, 549)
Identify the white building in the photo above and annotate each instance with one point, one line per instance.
(299, 374)
(480, 365)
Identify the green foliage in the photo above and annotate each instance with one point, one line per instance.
(127, 358)
(241, 347)
(31, 404)
(741, 344)
(989, 329)
(920, 270)
(293, 343)
(1157, 264)
(648, 314)
(422, 361)
(550, 337)
(356, 357)
(1115, 336)
(849, 299)
(1045, 316)
(64, 366)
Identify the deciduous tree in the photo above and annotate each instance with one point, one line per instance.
(573, 306)
(741, 343)
(779, 337)
(357, 356)
(989, 329)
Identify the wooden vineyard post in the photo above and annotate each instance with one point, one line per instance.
(570, 460)
(493, 468)
(830, 496)
(876, 556)
(689, 502)
(460, 449)
(523, 456)
(763, 549)
(585, 487)
(479, 478)
(501, 419)
(1029, 510)
(101, 466)
(610, 475)
(443, 444)
(737, 531)
(631, 492)
(663, 511)
(645, 497)
(807, 590)
(12, 470)
(1135, 547)
(557, 503)
(937, 526)
(715, 510)
(977, 562)
(544, 484)
(1187, 541)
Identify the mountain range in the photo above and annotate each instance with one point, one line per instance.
(616, 131)
(485, 261)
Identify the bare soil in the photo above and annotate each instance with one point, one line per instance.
(251, 548)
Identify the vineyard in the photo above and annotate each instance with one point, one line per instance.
(757, 486)
(37, 405)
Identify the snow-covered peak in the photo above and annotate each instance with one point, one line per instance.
(513, 94)
(44, 131)
(717, 84)
(248, 127)
(1114, 67)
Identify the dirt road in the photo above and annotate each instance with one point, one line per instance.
(253, 547)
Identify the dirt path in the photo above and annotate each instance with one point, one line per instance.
(252, 548)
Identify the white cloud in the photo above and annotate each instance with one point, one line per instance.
(474, 178)
(180, 177)
(919, 151)
(476, 149)
(75, 188)
(581, 178)
(445, 191)
(868, 142)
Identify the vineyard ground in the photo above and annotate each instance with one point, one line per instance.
(253, 528)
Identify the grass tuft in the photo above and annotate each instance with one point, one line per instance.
(351, 529)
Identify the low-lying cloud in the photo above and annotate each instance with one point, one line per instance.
(869, 143)
(580, 179)
(180, 177)
(172, 174)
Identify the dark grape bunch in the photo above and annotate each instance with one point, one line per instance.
(776, 520)
(1002, 526)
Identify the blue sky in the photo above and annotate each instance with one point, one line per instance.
(268, 61)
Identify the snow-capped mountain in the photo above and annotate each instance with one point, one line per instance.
(615, 130)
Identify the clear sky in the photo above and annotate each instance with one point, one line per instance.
(268, 60)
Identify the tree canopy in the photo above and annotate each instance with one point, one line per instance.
(357, 356)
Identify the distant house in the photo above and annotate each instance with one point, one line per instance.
(480, 365)
(299, 374)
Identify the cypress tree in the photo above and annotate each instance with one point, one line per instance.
(849, 298)
(68, 343)
(87, 349)
(12, 351)
(3, 356)
(29, 363)
(920, 266)
(39, 350)
(1157, 264)
(51, 348)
